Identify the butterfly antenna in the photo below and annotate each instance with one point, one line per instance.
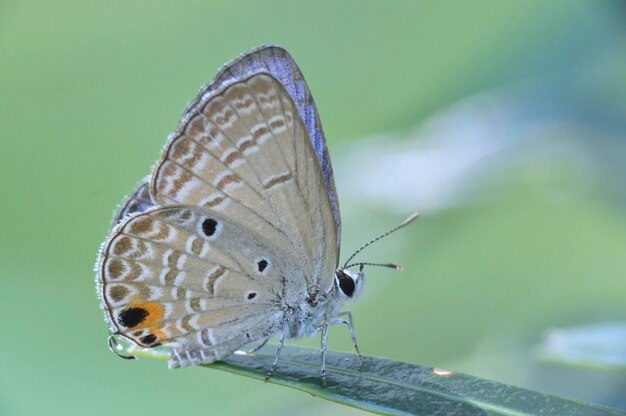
(389, 265)
(404, 223)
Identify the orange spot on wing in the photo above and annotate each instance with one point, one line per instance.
(155, 314)
(160, 335)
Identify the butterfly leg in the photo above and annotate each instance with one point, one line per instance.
(281, 342)
(255, 349)
(350, 326)
(324, 329)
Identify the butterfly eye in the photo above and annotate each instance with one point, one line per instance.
(211, 228)
(346, 284)
(251, 295)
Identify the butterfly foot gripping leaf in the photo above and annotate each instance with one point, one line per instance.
(234, 238)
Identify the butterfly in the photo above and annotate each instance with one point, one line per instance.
(234, 237)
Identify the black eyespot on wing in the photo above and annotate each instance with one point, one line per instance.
(262, 265)
(131, 317)
(346, 284)
(209, 226)
(148, 339)
(251, 295)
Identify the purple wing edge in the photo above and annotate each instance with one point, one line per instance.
(139, 200)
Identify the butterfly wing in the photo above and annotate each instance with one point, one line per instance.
(277, 62)
(138, 201)
(190, 276)
(243, 159)
(244, 151)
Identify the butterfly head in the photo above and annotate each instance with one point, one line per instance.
(349, 283)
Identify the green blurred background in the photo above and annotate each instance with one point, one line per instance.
(503, 122)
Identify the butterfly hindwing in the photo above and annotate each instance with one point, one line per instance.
(191, 277)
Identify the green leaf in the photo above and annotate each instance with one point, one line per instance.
(392, 387)
(600, 346)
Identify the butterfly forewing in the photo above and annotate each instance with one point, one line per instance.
(245, 153)
(277, 62)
